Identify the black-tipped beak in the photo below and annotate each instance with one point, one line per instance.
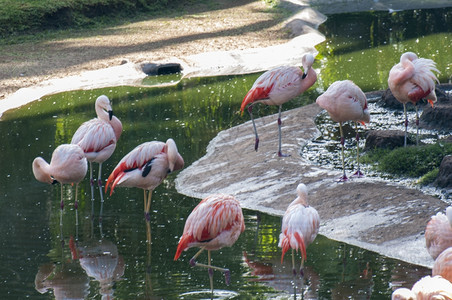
(110, 114)
(55, 181)
(304, 75)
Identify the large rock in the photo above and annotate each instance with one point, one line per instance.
(440, 115)
(386, 139)
(444, 179)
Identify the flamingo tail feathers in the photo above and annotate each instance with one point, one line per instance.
(301, 245)
(183, 244)
(115, 177)
(253, 95)
(285, 245)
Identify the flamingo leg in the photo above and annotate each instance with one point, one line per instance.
(76, 212)
(279, 132)
(344, 176)
(194, 263)
(61, 207)
(147, 205)
(99, 183)
(210, 270)
(406, 123)
(91, 183)
(417, 125)
(294, 271)
(358, 173)
(256, 143)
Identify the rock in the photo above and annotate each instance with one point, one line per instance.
(444, 179)
(440, 115)
(161, 69)
(386, 139)
(388, 100)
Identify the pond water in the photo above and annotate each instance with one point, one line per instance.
(35, 254)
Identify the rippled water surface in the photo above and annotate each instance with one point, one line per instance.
(41, 260)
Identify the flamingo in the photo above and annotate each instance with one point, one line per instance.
(411, 80)
(98, 137)
(443, 265)
(276, 87)
(438, 233)
(300, 225)
(145, 167)
(427, 287)
(216, 222)
(345, 101)
(67, 165)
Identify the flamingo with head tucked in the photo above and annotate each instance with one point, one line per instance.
(427, 287)
(300, 226)
(438, 233)
(216, 222)
(443, 265)
(145, 167)
(98, 137)
(411, 80)
(68, 165)
(345, 101)
(276, 87)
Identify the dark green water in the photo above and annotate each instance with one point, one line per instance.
(192, 113)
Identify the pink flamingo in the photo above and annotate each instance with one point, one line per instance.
(98, 137)
(438, 233)
(426, 288)
(145, 167)
(216, 222)
(345, 101)
(276, 87)
(300, 225)
(411, 80)
(443, 265)
(68, 165)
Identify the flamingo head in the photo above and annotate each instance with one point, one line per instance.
(302, 192)
(449, 214)
(403, 294)
(103, 103)
(307, 61)
(175, 160)
(41, 170)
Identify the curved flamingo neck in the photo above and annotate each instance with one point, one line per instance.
(41, 170)
(116, 125)
(101, 113)
(309, 80)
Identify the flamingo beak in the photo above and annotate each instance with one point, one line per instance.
(110, 114)
(304, 75)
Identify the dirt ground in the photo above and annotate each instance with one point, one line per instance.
(219, 25)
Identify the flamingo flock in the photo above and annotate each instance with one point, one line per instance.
(217, 221)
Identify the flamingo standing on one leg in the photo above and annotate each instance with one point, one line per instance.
(443, 265)
(438, 233)
(145, 167)
(98, 137)
(68, 165)
(427, 287)
(277, 86)
(216, 222)
(345, 101)
(300, 225)
(411, 80)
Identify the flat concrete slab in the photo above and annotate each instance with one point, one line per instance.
(373, 214)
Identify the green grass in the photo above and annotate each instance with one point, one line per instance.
(25, 16)
(415, 161)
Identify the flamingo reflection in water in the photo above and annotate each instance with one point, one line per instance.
(101, 261)
(68, 165)
(98, 137)
(216, 222)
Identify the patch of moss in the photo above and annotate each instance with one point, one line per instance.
(413, 161)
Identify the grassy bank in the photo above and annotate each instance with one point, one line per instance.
(25, 16)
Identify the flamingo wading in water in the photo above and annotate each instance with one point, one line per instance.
(98, 137)
(216, 222)
(345, 101)
(300, 225)
(68, 165)
(411, 80)
(276, 87)
(145, 167)
(438, 233)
